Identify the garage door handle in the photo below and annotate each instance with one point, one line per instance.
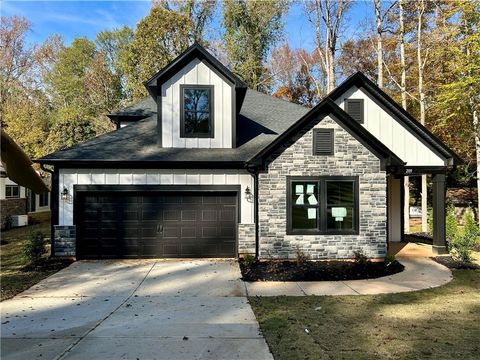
(159, 228)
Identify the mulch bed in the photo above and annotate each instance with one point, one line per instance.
(451, 263)
(317, 270)
(48, 264)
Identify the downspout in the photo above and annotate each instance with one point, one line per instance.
(254, 172)
(53, 199)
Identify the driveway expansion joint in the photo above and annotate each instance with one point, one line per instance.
(75, 343)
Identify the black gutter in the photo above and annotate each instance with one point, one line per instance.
(254, 172)
(120, 164)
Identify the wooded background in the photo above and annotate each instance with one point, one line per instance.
(425, 54)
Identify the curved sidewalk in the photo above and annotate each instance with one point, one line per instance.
(420, 273)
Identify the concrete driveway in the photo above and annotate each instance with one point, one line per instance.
(138, 309)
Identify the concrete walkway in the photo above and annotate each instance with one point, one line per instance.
(420, 273)
(191, 309)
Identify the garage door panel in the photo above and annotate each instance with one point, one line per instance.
(188, 232)
(188, 215)
(120, 225)
(171, 215)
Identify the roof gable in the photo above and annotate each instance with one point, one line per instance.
(389, 105)
(328, 107)
(195, 51)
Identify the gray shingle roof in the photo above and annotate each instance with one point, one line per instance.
(262, 119)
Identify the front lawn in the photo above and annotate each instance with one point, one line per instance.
(441, 323)
(16, 274)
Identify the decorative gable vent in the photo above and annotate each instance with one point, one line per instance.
(323, 142)
(354, 108)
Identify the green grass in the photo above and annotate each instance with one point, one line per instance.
(441, 323)
(13, 279)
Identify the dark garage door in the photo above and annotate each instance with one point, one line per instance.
(142, 225)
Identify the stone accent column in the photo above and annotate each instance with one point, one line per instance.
(65, 239)
(246, 239)
(439, 232)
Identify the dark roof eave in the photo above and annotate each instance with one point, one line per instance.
(149, 164)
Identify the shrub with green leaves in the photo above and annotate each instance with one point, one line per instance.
(463, 244)
(35, 247)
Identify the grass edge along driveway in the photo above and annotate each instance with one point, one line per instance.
(14, 278)
(440, 323)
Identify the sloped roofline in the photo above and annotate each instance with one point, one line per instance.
(325, 108)
(195, 51)
(398, 113)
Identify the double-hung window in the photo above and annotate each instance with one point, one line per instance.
(322, 205)
(196, 111)
(12, 191)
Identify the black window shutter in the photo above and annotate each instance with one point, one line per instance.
(323, 142)
(354, 108)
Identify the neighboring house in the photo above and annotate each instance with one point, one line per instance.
(16, 201)
(205, 167)
(463, 199)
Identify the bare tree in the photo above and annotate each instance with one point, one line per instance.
(421, 61)
(326, 17)
(403, 90)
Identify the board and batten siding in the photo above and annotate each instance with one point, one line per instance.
(391, 133)
(196, 73)
(70, 177)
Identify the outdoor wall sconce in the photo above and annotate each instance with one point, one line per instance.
(65, 194)
(248, 194)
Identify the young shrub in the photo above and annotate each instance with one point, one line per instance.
(451, 225)
(464, 242)
(35, 247)
(248, 260)
(359, 257)
(300, 256)
(389, 258)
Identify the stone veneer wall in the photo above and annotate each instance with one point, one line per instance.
(13, 206)
(246, 239)
(65, 239)
(350, 158)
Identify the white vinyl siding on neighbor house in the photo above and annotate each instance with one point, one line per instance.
(391, 133)
(70, 177)
(196, 73)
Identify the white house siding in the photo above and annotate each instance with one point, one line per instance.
(196, 73)
(70, 177)
(391, 133)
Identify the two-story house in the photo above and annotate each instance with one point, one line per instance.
(205, 167)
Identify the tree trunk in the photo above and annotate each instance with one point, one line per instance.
(406, 180)
(476, 127)
(403, 65)
(378, 17)
(421, 93)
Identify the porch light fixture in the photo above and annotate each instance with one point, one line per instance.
(248, 194)
(65, 195)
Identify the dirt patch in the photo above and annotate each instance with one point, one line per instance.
(48, 264)
(317, 270)
(451, 263)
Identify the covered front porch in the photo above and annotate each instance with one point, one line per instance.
(396, 205)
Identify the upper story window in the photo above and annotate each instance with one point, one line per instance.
(12, 191)
(196, 113)
(354, 108)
